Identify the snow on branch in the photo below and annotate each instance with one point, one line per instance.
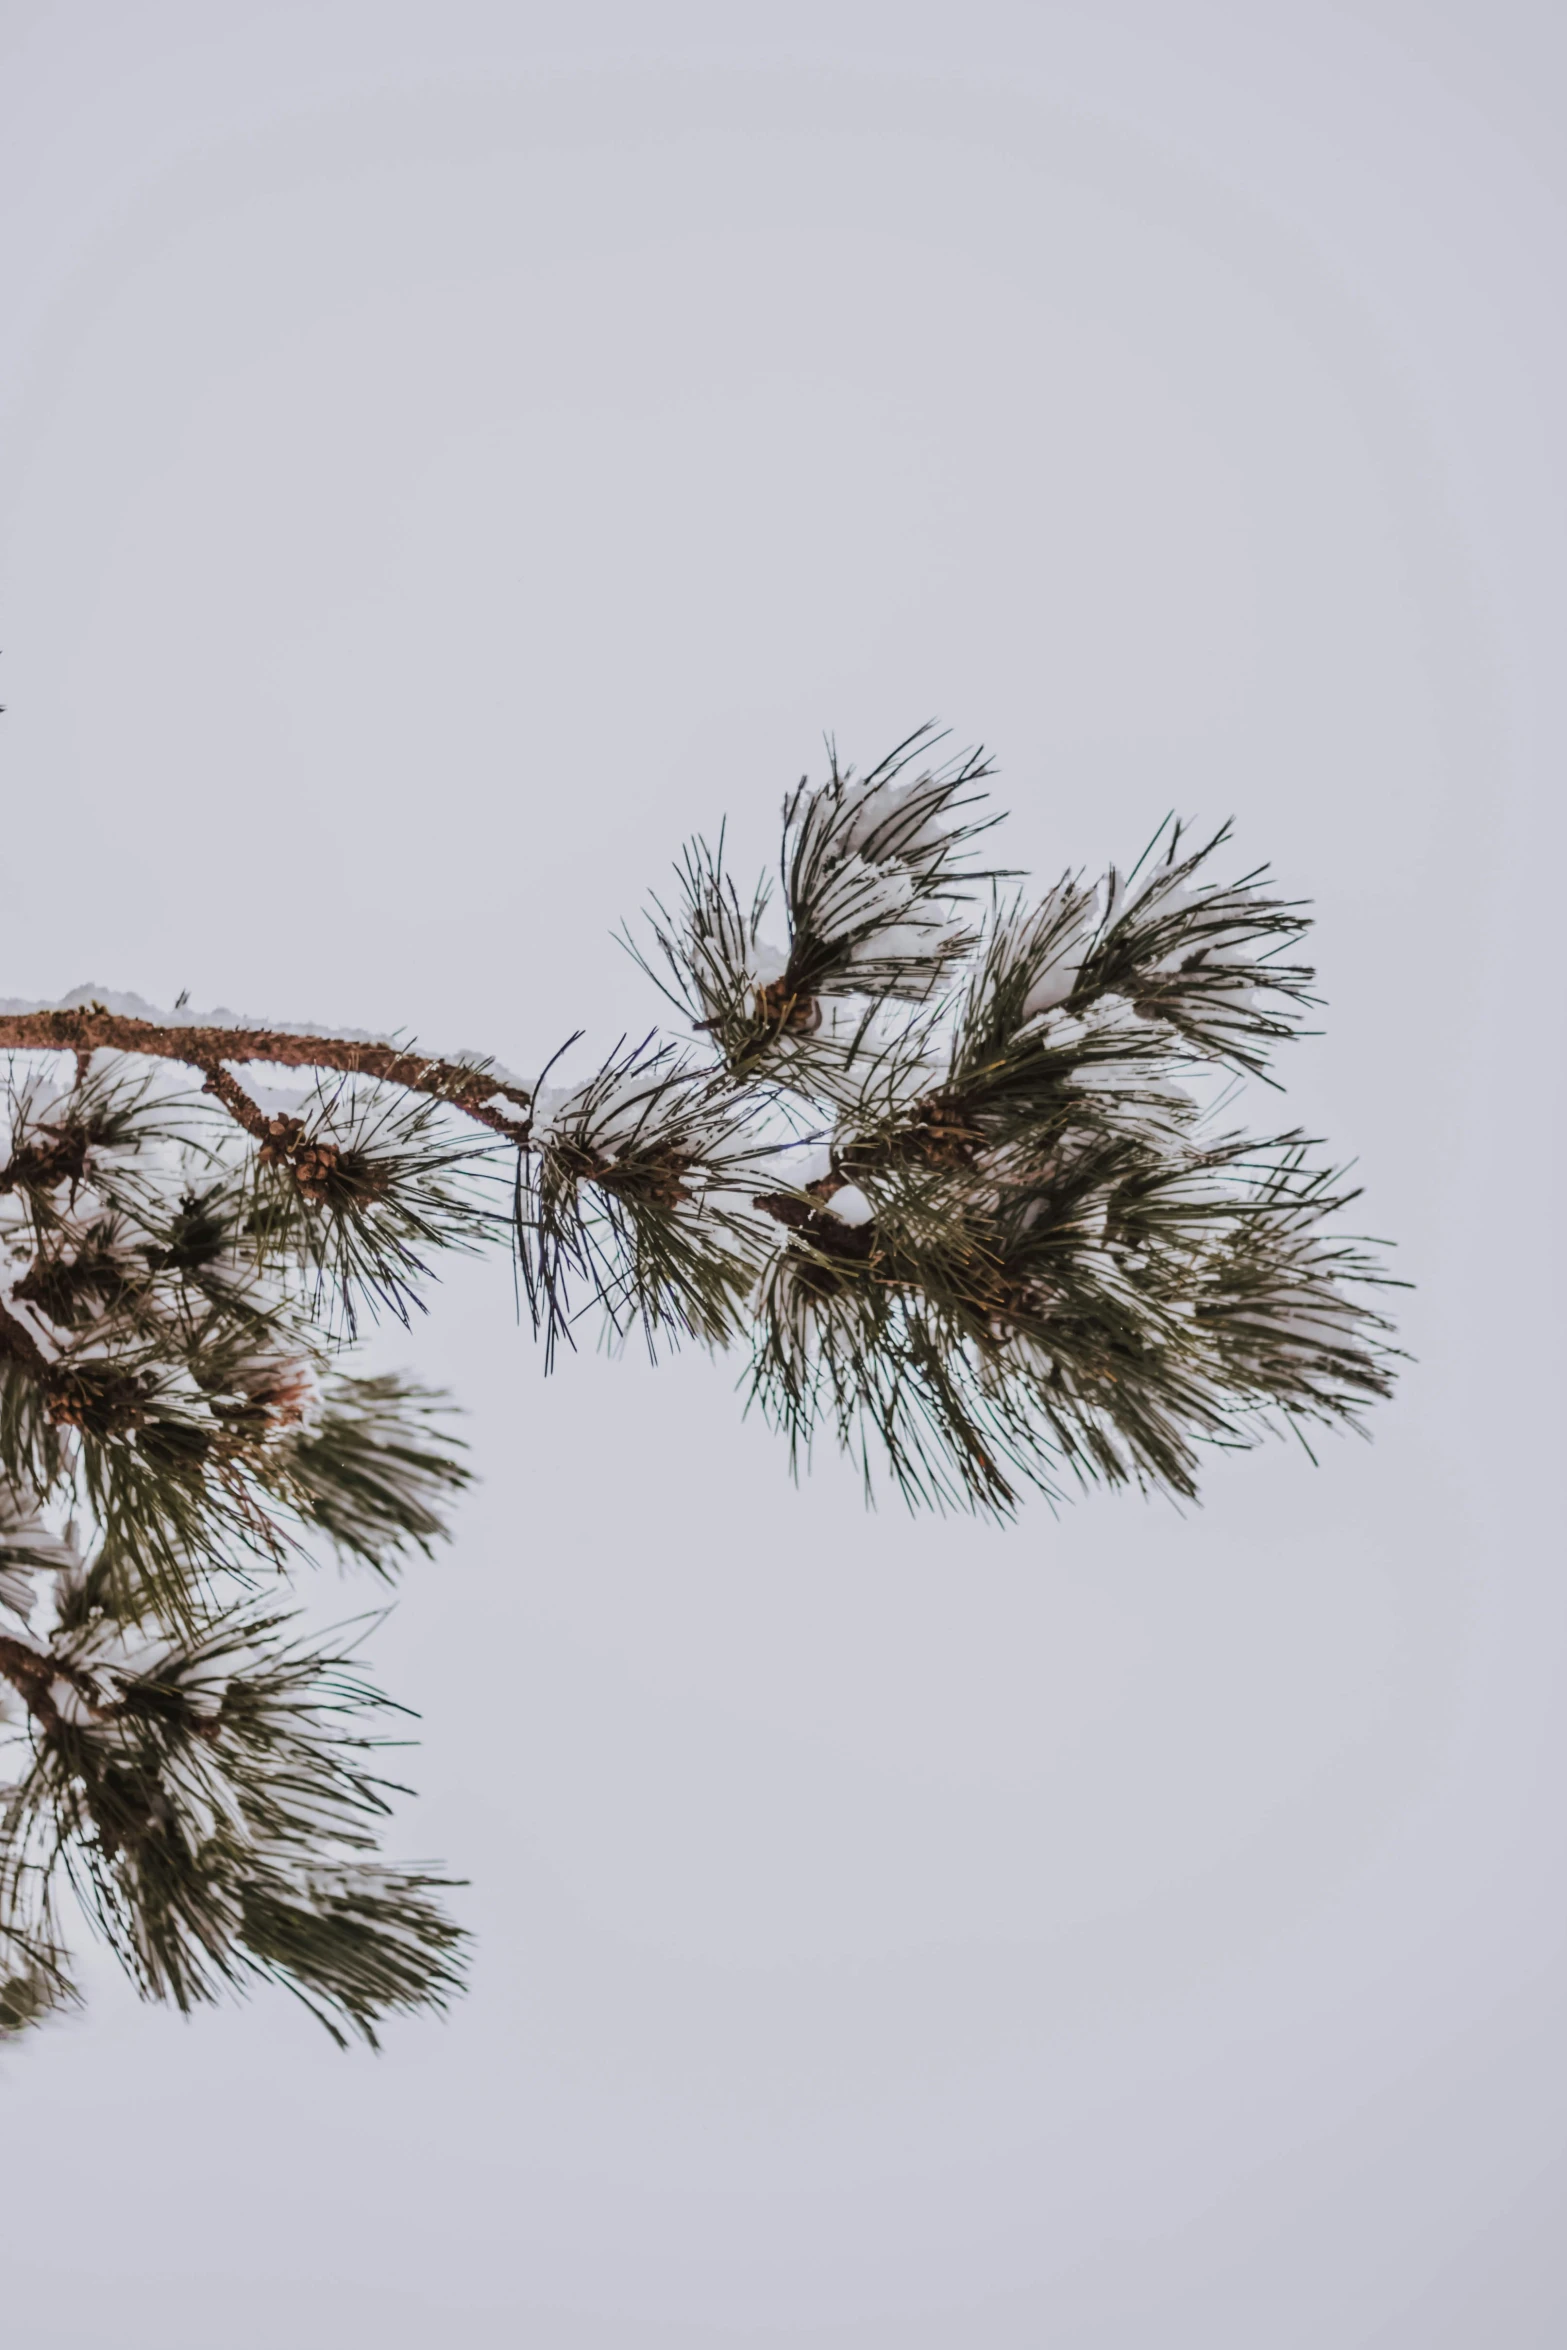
(946, 1165)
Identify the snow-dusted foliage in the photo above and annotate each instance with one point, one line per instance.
(1034, 1255)
(174, 1423)
(949, 1166)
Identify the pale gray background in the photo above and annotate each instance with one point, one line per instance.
(449, 453)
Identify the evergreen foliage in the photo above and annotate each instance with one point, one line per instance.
(948, 1165)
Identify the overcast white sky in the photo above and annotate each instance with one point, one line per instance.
(448, 454)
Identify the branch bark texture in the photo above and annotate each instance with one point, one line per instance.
(90, 1028)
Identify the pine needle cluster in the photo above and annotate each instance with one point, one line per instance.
(948, 1165)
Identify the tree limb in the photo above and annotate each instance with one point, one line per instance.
(90, 1028)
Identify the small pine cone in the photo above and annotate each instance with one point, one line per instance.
(315, 1163)
(942, 1134)
(97, 1399)
(788, 1013)
(284, 1136)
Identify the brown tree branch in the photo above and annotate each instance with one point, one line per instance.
(90, 1028)
(226, 1088)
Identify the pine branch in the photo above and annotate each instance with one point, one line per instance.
(210, 1804)
(947, 1162)
(372, 1471)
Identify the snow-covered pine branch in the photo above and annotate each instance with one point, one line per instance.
(949, 1166)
